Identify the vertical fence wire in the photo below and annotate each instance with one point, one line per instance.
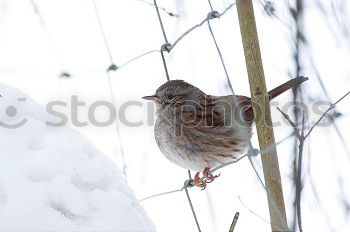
(160, 21)
(112, 67)
(213, 15)
(192, 209)
(63, 73)
(167, 47)
(104, 37)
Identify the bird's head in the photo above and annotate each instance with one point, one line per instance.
(175, 92)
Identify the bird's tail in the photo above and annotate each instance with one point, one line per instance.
(284, 87)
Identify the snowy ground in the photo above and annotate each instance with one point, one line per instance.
(53, 179)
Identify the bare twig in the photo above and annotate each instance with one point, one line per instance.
(270, 9)
(297, 12)
(298, 175)
(301, 138)
(295, 128)
(234, 222)
(325, 113)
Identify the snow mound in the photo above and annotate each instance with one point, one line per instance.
(52, 178)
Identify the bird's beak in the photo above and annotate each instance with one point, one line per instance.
(152, 98)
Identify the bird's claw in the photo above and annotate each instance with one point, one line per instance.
(208, 178)
(197, 181)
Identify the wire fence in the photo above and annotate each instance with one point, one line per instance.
(268, 7)
(112, 67)
(168, 47)
(63, 72)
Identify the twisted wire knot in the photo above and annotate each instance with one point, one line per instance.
(166, 47)
(213, 15)
(253, 152)
(65, 75)
(112, 67)
(188, 184)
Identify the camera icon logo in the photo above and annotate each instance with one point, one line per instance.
(11, 111)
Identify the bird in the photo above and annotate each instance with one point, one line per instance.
(197, 131)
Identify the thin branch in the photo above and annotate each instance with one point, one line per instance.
(295, 128)
(270, 9)
(234, 222)
(325, 113)
(335, 125)
(299, 40)
(298, 175)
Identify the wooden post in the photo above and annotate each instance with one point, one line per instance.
(263, 115)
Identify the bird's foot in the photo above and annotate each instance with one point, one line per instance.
(208, 176)
(197, 181)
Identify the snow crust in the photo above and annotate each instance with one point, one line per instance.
(52, 178)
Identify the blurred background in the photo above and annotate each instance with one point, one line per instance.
(55, 49)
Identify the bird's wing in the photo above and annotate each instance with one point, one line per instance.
(238, 109)
(209, 127)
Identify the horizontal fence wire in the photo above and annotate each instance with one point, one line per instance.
(168, 48)
(187, 32)
(253, 152)
(256, 152)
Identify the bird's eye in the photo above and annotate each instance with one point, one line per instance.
(170, 96)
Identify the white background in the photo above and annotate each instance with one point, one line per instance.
(28, 61)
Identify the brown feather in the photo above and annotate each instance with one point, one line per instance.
(196, 131)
